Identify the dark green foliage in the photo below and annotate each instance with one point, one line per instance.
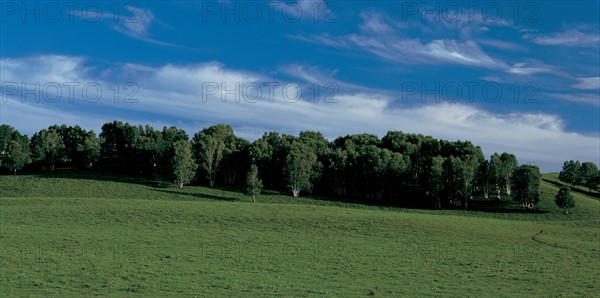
(264, 152)
(460, 174)
(47, 147)
(435, 181)
(565, 199)
(507, 167)
(299, 168)
(400, 169)
(589, 175)
(583, 174)
(210, 146)
(570, 172)
(14, 149)
(526, 181)
(88, 150)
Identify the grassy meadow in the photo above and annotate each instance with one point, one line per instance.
(72, 235)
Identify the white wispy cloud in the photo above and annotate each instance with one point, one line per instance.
(374, 22)
(313, 75)
(502, 44)
(526, 69)
(382, 36)
(174, 93)
(412, 51)
(578, 98)
(135, 23)
(592, 83)
(490, 78)
(44, 68)
(570, 38)
(441, 42)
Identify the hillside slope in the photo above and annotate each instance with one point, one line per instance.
(69, 236)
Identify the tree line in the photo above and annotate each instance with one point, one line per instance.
(583, 174)
(399, 169)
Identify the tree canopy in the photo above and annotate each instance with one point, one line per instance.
(565, 199)
(526, 185)
(399, 169)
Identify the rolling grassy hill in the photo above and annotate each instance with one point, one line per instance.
(73, 235)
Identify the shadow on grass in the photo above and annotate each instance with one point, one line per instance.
(501, 206)
(94, 174)
(196, 195)
(594, 195)
(102, 175)
(411, 199)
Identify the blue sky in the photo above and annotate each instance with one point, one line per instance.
(522, 77)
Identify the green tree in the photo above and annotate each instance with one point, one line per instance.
(408, 145)
(337, 161)
(587, 175)
(495, 174)
(184, 166)
(235, 159)
(594, 183)
(6, 136)
(261, 154)
(299, 165)
(253, 183)
(526, 185)
(374, 164)
(460, 175)
(47, 147)
(435, 181)
(120, 143)
(508, 165)
(149, 148)
(565, 199)
(88, 149)
(483, 180)
(396, 173)
(570, 172)
(320, 146)
(113, 136)
(161, 146)
(18, 154)
(70, 137)
(14, 149)
(210, 145)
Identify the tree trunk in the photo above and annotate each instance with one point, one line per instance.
(498, 192)
(253, 199)
(180, 185)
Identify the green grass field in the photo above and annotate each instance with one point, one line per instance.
(72, 236)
